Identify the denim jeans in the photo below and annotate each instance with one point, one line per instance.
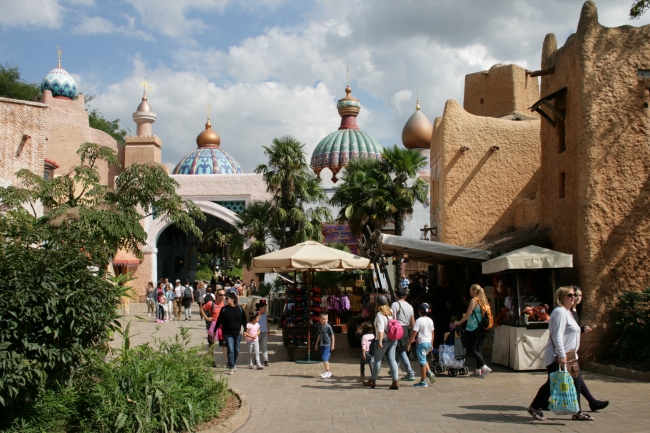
(369, 360)
(388, 349)
(264, 351)
(254, 350)
(232, 347)
(403, 358)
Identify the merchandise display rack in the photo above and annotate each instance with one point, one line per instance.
(302, 316)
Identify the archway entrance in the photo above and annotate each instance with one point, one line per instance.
(178, 252)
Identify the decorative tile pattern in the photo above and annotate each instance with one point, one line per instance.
(208, 161)
(235, 206)
(335, 150)
(60, 83)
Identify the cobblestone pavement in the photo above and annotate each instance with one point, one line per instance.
(289, 397)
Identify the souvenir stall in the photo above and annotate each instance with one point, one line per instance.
(304, 302)
(525, 280)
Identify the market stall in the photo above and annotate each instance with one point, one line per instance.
(304, 302)
(521, 331)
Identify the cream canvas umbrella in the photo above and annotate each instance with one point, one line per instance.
(307, 256)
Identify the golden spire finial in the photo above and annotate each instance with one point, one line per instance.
(417, 98)
(145, 86)
(59, 52)
(208, 110)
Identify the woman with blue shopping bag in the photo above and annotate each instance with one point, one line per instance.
(562, 387)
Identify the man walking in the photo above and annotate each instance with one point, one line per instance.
(178, 299)
(404, 315)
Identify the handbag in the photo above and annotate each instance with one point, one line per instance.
(572, 364)
(211, 331)
(564, 400)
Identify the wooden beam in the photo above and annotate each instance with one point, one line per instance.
(555, 111)
(546, 116)
(541, 72)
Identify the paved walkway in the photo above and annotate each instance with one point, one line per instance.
(289, 397)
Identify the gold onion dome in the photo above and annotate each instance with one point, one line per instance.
(417, 131)
(208, 138)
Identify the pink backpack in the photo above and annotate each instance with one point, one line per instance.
(395, 330)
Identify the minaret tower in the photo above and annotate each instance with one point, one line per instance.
(144, 147)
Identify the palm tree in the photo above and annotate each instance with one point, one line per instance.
(254, 235)
(294, 186)
(402, 166)
(363, 197)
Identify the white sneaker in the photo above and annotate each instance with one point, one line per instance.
(485, 371)
(250, 366)
(477, 373)
(324, 375)
(328, 374)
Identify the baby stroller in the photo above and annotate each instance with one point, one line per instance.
(451, 356)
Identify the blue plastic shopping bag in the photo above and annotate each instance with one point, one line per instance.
(564, 400)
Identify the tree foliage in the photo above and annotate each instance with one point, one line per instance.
(13, 86)
(362, 196)
(254, 237)
(294, 187)
(639, 7)
(96, 120)
(55, 309)
(632, 325)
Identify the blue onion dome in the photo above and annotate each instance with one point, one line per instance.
(60, 83)
(335, 150)
(208, 158)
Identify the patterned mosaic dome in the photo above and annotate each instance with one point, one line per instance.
(208, 158)
(335, 150)
(60, 83)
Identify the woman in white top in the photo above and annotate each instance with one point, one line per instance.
(564, 337)
(383, 346)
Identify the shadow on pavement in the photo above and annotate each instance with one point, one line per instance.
(500, 418)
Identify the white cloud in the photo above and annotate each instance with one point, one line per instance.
(246, 116)
(98, 25)
(31, 13)
(287, 79)
(169, 17)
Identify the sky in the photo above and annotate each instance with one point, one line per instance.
(269, 68)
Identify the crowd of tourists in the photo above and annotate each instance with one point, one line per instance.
(170, 302)
(395, 332)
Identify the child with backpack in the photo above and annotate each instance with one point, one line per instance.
(251, 334)
(423, 331)
(367, 336)
(188, 299)
(479, 321)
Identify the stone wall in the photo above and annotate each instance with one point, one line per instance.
(483, 192)
(604, 217)
(22, 138)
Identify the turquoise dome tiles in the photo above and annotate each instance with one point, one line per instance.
(60, 83)
(340, 146)
(208, 160)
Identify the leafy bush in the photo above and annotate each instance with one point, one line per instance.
(53, 313)
(143, 390)
(632, 326)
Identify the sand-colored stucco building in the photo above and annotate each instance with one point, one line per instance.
(485, 158)
(573, 171)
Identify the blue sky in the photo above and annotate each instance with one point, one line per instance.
(275, 67)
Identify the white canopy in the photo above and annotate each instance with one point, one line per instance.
(530, 257)
(428, 251)
(308, 255)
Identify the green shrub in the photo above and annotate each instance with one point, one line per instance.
(632, 325)
(144, 390)
(53, 313)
